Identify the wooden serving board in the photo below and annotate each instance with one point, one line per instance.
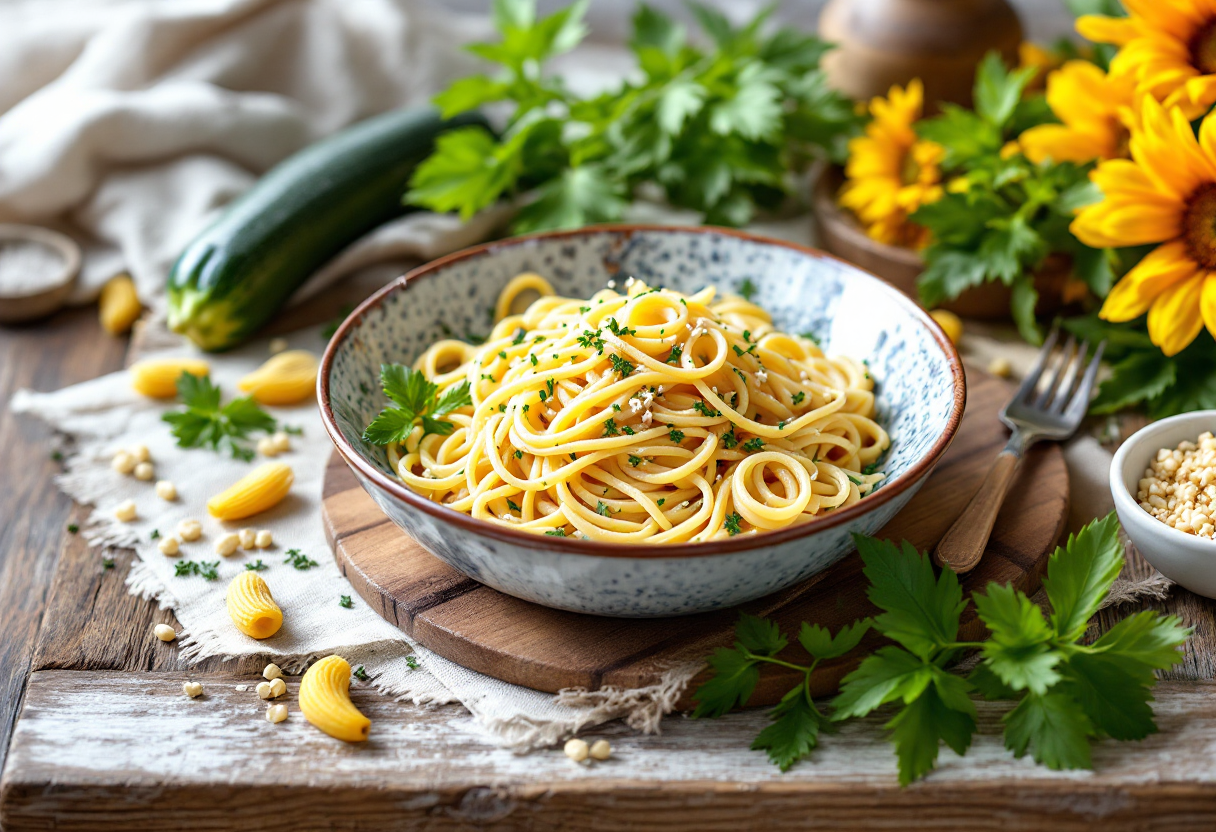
(546, 649)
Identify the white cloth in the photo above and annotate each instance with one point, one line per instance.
(128, 123)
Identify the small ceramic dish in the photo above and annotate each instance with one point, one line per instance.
(920, 396)
(1183, 558)
(41, 293)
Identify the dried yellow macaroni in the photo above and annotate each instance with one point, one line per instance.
(156, 378)
(251, 606)
(287, 378)
(260, 489)
(119, 306)
(325, 700)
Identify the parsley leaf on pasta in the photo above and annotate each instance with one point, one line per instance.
(414, 398)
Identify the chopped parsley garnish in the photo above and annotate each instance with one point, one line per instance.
(798, 397)
(620, 365)
(107, 563)
(591, 339)
(502, 354)
(73, 528)
(360, 673)
(559, 532)
(704, 409)
(747, 335)
(488, 377)
(511, 505)
(870, 469)
(573, 455)
(676, 436)
(519, 336)
(610, 428)
(635, 461)
(750, 350)
(628, 431)
(729, 439)
(853, 479)
(519, 454)
(732, 523)
(532, 358)
(810, 336)
(299, 560)
(256, 566)
(344, 601)
(205, 569)
(753, 444)
(155, 534)
(660, 502)
(618, 330)
(602, 509)
(412, 663)
(616, 407)
(674, 357)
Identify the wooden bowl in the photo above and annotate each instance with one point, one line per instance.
(842, 235)
(50, 293)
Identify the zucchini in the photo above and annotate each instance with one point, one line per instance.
(237, 273)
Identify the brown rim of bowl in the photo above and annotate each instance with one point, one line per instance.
(621, 550)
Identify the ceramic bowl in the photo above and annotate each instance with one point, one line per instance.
(920, 396)
(1183, 558)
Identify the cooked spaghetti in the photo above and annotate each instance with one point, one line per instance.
(645, 417)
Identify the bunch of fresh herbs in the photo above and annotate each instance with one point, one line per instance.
(1002, 215)
(718, 130)
(1067, 692)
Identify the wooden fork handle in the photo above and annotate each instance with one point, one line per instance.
(963, 545)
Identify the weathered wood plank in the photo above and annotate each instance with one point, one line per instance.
(64, 349)
(129, 751)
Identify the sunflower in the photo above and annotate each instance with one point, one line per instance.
(1164, 194)
(1167, 46)
(891, 172)
(1097, 112)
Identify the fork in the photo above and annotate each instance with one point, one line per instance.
(1052, 413)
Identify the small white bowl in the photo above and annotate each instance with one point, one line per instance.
(1183, 558)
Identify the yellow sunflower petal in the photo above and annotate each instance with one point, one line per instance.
(1060, 144)
(1174, 318)
(1160, 269)
(1207, 303)
(1100, 29)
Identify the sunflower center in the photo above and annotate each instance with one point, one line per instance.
(1199, 226)
(1203, 48)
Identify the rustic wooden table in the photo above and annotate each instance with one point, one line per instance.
(100, 737)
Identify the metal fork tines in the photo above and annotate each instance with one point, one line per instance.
(1050, 404)
(1055, 394)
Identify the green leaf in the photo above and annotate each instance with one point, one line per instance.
(1114, 693)
(406, 387)
(948, 274)
(653, 29)
(1142, 376)
(453, 398)
(431, 425)
(1022, 304)
(1018, 652)
(884, 676)
(735, 677)
(519, 14)
(1080, 573)
(198, 393)
(794, 731)
(244, 415)
(467, 172)
(998, 91)
(1093, 267)
(821, 644)
(580, 196)
(679, 101)
(1053, 727)
(1147, 638)
(919, 611)
(964, 135)
(989, 685)
(754, 111)
(470, 93)
(392, 425)
(919, 728)
(759, 635)
(713, 23)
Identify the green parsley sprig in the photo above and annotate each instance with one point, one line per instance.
(717, 131)
(208, 570)
(413, 398)
(204, 423)
(1066, 692)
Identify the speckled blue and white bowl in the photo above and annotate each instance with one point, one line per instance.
(920, 395)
